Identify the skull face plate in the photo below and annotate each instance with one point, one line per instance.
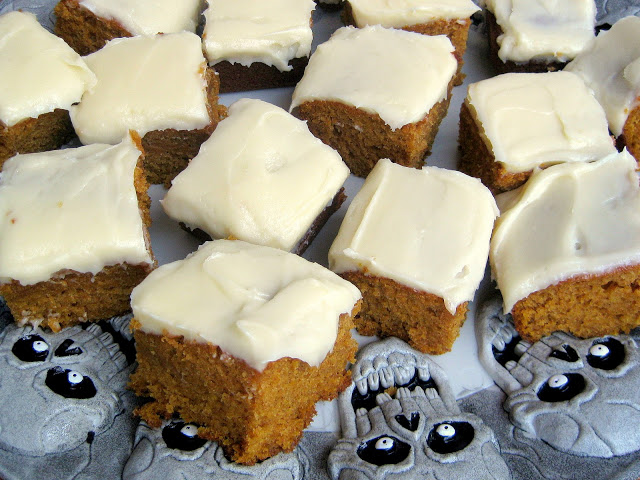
(401, 420)
(577, 395)
(176, 451)
(58, 391)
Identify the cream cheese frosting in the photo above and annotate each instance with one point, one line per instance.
(539, 119)
(402, 13)
(39, 72)
(612, 70)
(148, 17)
(427, 229)
(567, 220)
(396, 74)
(261, 177)
(256, 303)
(71, 209)
(548, 30)
(246, 31)
(145, 83)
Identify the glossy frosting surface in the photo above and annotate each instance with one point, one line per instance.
(145, 83)
(148, 17)
(400, 13)
(74, 209)
(538, 119)
(261, 177)
(256, 303)
(612, 70)
(428, 229)
(567, 220)
(248, 31)
(39, 72)
(398, 75)
(543, 29)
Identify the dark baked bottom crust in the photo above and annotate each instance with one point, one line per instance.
(253, 415)
(235, 77)
(585, 306)
(390, 309)
(308, 237)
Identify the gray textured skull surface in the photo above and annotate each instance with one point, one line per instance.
(419, 433)
(175, 451)
(578, 395)
(57, 391)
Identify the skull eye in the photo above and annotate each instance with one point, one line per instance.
(182, 436)
(450, 437)
(384, 450)
(606, 354)
(561, 387)
(31, 348)
(69, 383)
(67, 349)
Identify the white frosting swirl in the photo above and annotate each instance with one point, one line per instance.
(38, 71)
(73, 209)
(248, 31)
(567, 220)
(398, 75)
(256, 303)
(261, 177)
(428, 229)
(148, 17)
(401, 13)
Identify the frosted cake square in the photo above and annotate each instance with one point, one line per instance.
(611, 68)
(158, 86)
(87, 25)
(516, 122)
(255, 45)
(73, 232)
(537, 35)
(429, 17)
(41, 78)
(261, 177)
(242, 340)
(416, 243)
(375, 92)
(565, 251)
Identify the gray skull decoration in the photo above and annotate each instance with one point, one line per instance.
(418, 433)
(580, 396)
(176, 451)
(610, 11)
(60, 396)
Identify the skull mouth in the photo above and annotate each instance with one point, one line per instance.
(508, 347)
(389, 375)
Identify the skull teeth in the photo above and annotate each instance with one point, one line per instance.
(387, 371)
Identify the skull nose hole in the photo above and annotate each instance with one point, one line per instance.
(409, 423)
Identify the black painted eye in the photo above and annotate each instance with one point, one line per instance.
(384, 450)
(182, 436)
(31, 348)
(66, 349)
(69, 384)
(561, 387)
(566, 353)
(606, 354)
(450, 437)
